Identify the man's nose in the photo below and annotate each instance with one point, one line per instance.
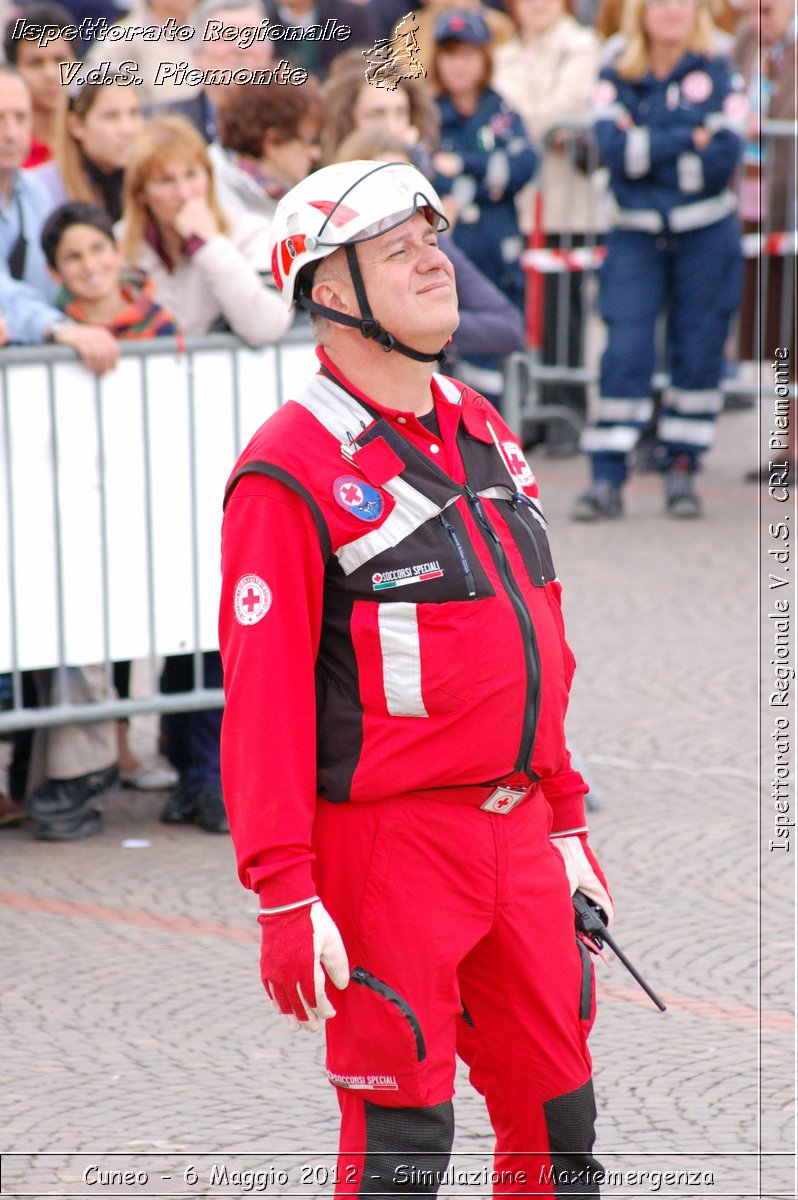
(434, 258)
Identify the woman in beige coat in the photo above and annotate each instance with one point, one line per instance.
(210, 266)
(546, 74)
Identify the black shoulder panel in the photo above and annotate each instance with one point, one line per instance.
(273, 472)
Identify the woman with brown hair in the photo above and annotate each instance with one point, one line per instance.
(209, 264)
(268, 141)
(93, 142)
(407, 112)
(669, 119)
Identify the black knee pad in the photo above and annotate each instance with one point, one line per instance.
(570, 1121)
(407, 1149)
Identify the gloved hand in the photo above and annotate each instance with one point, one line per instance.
(583, 870)
(295, 945)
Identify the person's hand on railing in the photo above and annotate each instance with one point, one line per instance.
(96, 347)
(5, 336)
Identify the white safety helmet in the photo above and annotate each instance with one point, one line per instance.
(339, 206)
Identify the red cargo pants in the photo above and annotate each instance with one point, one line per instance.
(446, 909)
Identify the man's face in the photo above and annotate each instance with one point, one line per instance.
(409, 283)
(87, 262)
(293, 158)
(16, 122)
(774, 19)
(38, 66)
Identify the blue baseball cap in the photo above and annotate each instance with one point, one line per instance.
(461, 26)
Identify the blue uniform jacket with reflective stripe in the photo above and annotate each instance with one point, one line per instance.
(644, 129)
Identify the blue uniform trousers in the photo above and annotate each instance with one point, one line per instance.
(696, 277)
(192, 739)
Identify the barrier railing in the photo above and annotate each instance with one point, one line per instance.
(111, 508)
(767, 317)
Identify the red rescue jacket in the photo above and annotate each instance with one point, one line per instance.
(412, 640)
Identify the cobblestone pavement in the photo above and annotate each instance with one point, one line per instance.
(135, 1033)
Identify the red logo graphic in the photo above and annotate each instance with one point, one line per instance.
(339, 214)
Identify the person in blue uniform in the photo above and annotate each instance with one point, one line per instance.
(669, 119)
(484, 160)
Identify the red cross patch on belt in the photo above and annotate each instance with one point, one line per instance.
(503, 799)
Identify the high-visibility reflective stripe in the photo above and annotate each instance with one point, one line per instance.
(401, 659)
(335, 409)
(412, 510)
(690, 172)
(623, 411)
(637, 154)
(698, 403)
(617, 439)
(646, 220)
(719, 120)
(497, 173)
(702, 212)
(345, 419)
(496, 493)
(610, 112)
(449, 389)
(686, 432)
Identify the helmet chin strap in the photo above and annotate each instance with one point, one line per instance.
(369, 328)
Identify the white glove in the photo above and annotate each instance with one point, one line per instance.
(297, 946)
(583, 871)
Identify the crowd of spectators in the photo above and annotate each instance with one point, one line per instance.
(137, 209)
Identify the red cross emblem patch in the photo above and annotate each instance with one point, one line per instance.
(252, 599)
(518, 465)
(358, 498)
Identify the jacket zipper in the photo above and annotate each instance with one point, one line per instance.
(364, 977)
(516, 499)
(531, 654)
(461, 554)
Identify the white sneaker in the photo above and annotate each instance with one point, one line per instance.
(149, 778)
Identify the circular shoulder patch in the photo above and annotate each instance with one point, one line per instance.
(736, 106)
(604, 93)
(697, 87)
(252, 599)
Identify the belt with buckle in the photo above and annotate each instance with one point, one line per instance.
(503, 799)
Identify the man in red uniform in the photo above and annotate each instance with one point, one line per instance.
(393, 755)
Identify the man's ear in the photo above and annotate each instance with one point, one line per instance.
(334, 293)
(51, 271)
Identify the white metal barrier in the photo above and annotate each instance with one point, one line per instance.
(111, 503)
